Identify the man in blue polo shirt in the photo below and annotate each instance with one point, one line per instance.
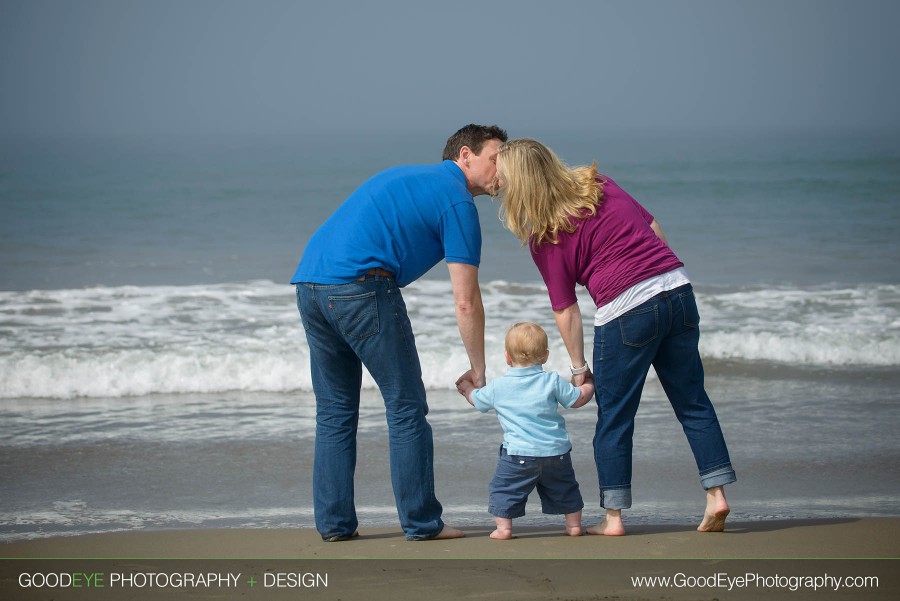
(388, 233)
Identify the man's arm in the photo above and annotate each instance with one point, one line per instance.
(469, 318)
(571, 329)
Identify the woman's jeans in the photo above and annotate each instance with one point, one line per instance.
(348, 326)
(663, 332)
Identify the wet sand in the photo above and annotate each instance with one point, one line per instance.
(540, 563)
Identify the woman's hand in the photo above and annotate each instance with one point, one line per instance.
(579, 379)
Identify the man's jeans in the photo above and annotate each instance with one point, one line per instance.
(663, 332)
(348, 326)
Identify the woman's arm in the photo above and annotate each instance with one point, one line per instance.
(657, 229)
(571, 329)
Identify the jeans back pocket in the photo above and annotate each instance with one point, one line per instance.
(357, 316)
(639, 327)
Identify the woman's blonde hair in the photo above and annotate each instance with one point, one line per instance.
(542, 195)
(526, 344)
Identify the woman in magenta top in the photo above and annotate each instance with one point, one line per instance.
(583, 229)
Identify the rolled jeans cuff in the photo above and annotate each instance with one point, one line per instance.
(416, 537)
(615, 498)
(718, 477)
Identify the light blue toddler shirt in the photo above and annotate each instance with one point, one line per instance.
(526, 400)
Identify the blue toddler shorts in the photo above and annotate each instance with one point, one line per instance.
(517, 475)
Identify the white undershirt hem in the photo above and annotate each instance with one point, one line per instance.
(639, 294)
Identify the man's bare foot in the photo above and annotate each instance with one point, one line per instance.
(716, 511)
(574, 530)
(338, 538)
(447, 533)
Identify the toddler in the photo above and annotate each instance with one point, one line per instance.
(536, 450)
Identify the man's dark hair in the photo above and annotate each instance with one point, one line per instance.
(473, 136)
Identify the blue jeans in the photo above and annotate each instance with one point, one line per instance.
(663, 332)
(347, 326)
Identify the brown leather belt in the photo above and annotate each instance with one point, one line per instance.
(376, 271)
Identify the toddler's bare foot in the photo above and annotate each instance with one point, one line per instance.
(501, 534)
(716, 511)
(449, 532)
(573, 523)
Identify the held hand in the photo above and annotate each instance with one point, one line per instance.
(465, 388)
(588, 388)
(580, 379)
(477, 379)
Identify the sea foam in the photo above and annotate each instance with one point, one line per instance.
(127, 341)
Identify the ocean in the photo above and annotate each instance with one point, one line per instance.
(154, 372)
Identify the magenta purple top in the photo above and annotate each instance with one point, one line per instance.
(608, 253)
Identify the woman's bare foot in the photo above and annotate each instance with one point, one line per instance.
(448, 533)
(611, 526)
(716, 511)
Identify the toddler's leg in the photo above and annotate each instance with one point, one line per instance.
(573, 523)
(504, 529)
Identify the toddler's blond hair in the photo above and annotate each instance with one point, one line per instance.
(526, 344)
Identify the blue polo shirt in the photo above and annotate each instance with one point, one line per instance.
(526, 400)
(404, 220)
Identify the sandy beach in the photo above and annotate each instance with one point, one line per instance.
(772, 560)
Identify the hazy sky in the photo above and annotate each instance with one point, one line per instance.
(263, 66)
